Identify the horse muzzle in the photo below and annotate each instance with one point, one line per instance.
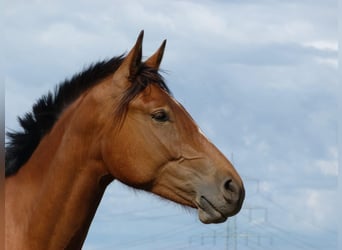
(215, 205)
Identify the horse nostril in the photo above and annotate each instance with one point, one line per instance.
(233, 192)
(230, 186)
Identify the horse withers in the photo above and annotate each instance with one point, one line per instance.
(115, 121)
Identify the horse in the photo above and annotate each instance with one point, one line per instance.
(116, 120)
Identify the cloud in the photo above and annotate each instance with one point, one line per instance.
(329, 167)
(260, 77)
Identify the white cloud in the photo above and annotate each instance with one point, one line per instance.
(321, 207)
(323, 45)
(331, 62)
(329, 166)
(259, 76)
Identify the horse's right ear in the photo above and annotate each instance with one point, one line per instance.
(155, 60)
(130, 65)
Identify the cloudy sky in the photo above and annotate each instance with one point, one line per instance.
(259, 77)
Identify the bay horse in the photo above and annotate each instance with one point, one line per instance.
(117, 120)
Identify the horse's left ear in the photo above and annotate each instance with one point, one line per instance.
(131, 63)
(155, 60)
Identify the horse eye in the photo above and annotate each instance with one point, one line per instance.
(160, 116)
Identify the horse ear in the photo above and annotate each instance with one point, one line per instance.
(130, 65)
(155, 60)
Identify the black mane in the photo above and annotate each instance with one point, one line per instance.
(47, 109)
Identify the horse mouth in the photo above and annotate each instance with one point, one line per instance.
(208, 213)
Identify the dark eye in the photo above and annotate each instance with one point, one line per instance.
(160, 116)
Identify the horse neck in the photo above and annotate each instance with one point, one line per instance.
(52, 199)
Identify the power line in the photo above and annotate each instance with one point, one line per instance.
(251, 229)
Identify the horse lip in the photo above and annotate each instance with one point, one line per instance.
(208, 213)
(206, 201)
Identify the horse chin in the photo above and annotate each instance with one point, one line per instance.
(208, 214)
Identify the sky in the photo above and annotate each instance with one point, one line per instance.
(259, 77)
